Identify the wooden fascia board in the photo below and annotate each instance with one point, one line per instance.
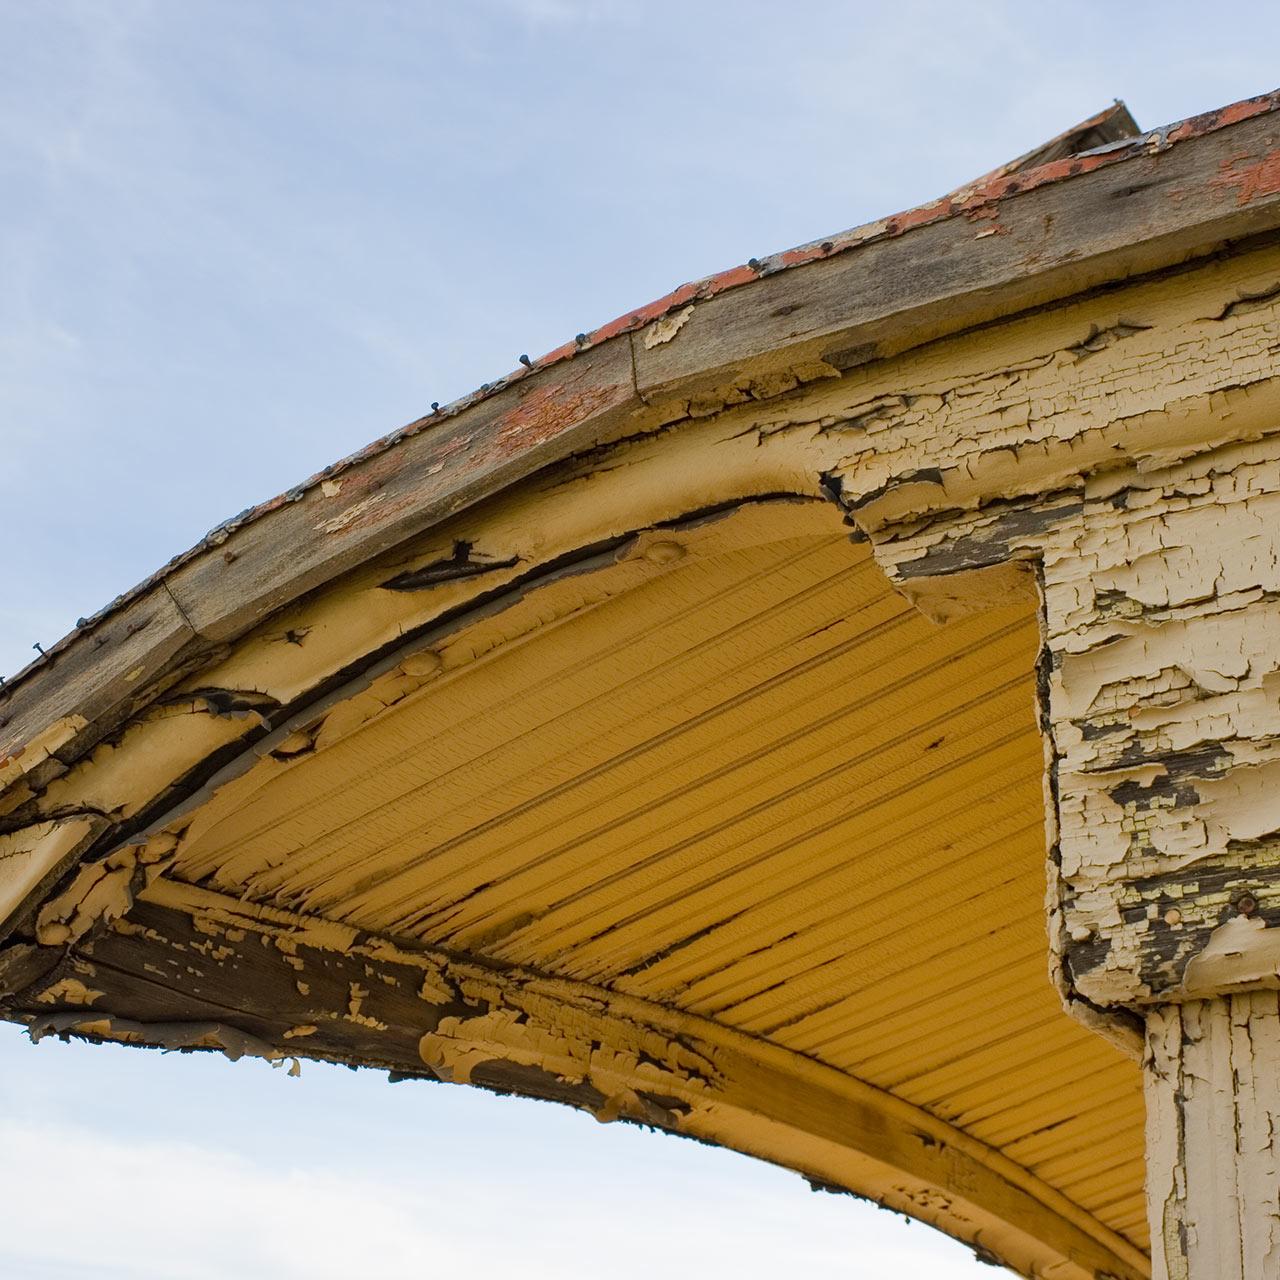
(1020, 241)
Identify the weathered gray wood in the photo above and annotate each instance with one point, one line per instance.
(235, 581)
(1152, 209)
(102, 675)
(424, 479)
(1112, 125)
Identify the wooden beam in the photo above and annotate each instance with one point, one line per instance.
(191, 968)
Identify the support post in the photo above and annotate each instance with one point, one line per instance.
(1163, 692)
(1159, 688)
(1212, 1074)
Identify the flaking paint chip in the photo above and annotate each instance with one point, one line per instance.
(665, 329)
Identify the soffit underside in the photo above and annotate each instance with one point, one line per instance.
(738, 779)
(732, 774)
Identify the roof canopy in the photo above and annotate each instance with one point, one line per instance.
(582, 740)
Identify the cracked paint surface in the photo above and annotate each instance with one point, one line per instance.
(1115, 457)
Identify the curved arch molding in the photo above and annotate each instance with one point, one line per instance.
(426, 1013)
(969, 392)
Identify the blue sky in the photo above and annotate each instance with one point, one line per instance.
(239, 240)
(124, 1163)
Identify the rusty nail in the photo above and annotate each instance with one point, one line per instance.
(435, 406)
(754, 264)
(39, 648)
(524, 360)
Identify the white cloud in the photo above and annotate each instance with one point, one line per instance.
(74, 1198)
(76, 1201)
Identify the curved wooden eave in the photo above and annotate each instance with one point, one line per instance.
(198, 684)
(1015, 241)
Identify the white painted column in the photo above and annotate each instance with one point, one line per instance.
(1212, 1071)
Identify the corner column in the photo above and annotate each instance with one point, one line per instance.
(1159, 692)
(1212, 1071)
(1162, 692)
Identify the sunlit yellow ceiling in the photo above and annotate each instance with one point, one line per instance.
(757, 787)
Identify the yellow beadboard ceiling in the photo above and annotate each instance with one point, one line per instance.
(563, 743)
(755, 786)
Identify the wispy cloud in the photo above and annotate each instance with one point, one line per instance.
(77, 1201)
(570, 12)
(183, 1212)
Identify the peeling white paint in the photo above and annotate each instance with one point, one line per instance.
(665, 329)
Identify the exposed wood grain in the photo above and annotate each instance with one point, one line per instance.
(98, 681)
(1152, 211)
(300, 544)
